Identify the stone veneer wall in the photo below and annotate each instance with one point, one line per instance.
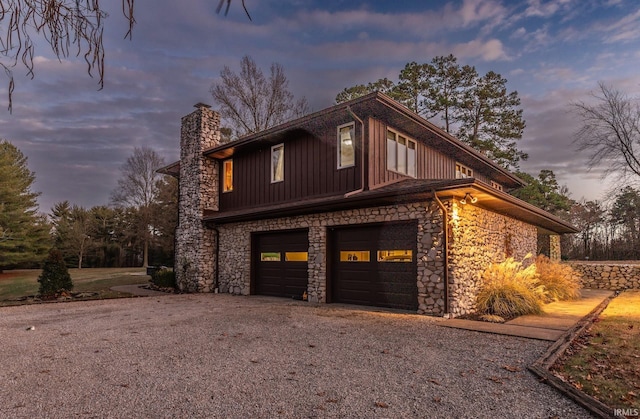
(610, 276)
(195, 243)
(235, 249)
(549, 245)
(477, 238)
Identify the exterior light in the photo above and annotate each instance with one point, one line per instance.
(468, 198)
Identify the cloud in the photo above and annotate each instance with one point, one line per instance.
(625, 29)
(538, 8)
(491, 50)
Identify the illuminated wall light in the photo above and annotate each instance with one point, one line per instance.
(468, 198)
(454, 212)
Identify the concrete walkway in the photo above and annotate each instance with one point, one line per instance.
(138, 290)
(558, 317)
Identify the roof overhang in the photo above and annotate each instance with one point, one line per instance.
(172, 169)
(408, 190)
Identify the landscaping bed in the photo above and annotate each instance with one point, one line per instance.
(19, 287)
(604, 361)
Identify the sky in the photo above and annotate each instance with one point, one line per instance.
(553, 53)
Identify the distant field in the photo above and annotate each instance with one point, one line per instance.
(24, 282)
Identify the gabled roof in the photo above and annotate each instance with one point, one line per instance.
(382, 107)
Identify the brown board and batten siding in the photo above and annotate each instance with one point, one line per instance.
(310, 170)
(430, 163)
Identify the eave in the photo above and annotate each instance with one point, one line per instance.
(409, 190)
(172, 169)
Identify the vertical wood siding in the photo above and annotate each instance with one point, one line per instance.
(310, 170)
(430, 163)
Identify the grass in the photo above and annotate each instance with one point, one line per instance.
(22, 283)
(605, 361)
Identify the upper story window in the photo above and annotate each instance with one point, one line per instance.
(401, 154)
(463, 172)
(346, 145)
(277, 163)
(227, 175)
(496, 185)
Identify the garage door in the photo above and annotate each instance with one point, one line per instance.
(375, 265)
(280, 263)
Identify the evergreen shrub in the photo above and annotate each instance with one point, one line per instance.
(55, 276)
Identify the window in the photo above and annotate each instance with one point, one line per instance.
(354, 256)
(227, 175)
(346, 146)
(277, 163)
(270, 256)
(463, 172)
(296, 256)
(401, 154)
(395, 255)
(496, 185)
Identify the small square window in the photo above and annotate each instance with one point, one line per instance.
(277, 163)
(496, 185)
(346, 145)
(227, 175)
(463, 172)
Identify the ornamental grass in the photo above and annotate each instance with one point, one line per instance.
(510, 290)
(560, 281)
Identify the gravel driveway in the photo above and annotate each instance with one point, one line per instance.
(259, 357)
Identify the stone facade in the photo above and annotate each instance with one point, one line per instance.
(235, 249)
(549, 245)
(195, 243)
(477, 238)
(610, 276)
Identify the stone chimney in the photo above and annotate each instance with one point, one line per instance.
(195, 243)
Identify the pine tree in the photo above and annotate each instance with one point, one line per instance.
(24, 234)
(55, 275)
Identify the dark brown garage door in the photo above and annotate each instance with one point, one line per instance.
(280, 263)
(375, 265)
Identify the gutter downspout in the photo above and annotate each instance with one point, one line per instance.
(445, 242)
(364, 153)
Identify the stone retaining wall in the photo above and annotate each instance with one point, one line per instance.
(608, 275)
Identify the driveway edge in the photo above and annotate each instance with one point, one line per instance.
(541, 367)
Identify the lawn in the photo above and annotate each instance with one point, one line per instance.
(604, 362)
(16, 284)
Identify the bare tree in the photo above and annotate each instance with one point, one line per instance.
(138, 189)
(610, 132)
(251, 102)
(70, 27)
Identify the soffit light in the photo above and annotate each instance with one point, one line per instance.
(468, 198)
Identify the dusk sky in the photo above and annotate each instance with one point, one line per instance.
(552, 53)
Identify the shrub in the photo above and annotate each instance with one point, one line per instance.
(509, 290)
(560, 281)
(164, 278)
(55, 275)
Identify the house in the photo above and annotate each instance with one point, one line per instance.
(364, 203)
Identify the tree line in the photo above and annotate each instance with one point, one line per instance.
(137, 229)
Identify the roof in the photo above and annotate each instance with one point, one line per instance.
(407, 190)
(172, 169)
(382, 107)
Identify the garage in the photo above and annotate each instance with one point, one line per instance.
(375, 265)
(280, 263)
